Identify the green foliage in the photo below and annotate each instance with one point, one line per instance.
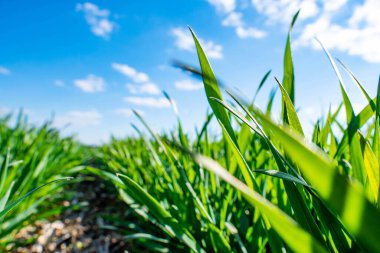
(33, 163)
(261, 186)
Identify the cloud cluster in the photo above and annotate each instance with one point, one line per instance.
(224, 6)
(346, 26)
(184, 41)
(234, 19)
(142, 84)
(352, 27)
(283, 11)
(98, 19)
(359, 35)
(130, 72)
(91, 84)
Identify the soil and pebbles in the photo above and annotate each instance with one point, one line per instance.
(75, 231)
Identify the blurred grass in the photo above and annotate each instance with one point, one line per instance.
(33, 163)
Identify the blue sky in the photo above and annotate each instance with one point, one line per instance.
(89, 63)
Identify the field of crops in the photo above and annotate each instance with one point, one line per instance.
(259, 186)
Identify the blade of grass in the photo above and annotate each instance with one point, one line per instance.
(12, 205)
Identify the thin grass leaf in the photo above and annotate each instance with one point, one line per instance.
(212, 88)
(12, 205)
(290, 111)
(262, 82)
(282, 175)
(356, 81)
(288, 79)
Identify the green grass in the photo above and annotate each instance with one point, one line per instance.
(35, 164)
(260, 186)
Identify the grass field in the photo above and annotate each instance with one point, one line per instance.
(259, 186)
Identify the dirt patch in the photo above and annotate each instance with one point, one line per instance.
(77, 231)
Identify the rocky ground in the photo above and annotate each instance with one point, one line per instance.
(76, 231)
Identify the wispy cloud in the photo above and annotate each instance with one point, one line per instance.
(138, 77)
(91, 84)
(235, 19)
(4, 71)
(283, 11)
(188, 85)
(142, 80)
(184, 41)
(126, 112)
(223, 5)
(98, 19)
(148, 101)
(78, 119)
(59, 83)
(147, 88)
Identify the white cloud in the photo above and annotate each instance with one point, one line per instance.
(333, 5)
(91, 84)
(148, 101)
(4, 71)
(212, 50)
(138, 77)
(357, 36)
(147, 88)
(223, 5)
(79, 119)
(235, 19)
(126, 112)
(284, 10)
(142, 80)
(59, 83)
(184, 41)
(249, 32)
(346, 26)
(188, 85)
(98, 19)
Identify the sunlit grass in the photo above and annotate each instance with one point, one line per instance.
(260, 186)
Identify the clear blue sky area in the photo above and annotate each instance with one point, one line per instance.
(87, 64)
